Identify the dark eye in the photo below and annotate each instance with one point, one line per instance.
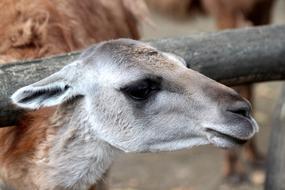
(141, 90)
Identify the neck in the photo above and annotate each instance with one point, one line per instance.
(73, 156)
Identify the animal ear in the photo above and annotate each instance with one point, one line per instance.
(176, 57)
(51, 91)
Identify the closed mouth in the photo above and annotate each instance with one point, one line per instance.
(229, 138)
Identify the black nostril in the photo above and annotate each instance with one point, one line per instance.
(242, 112)
(242, 109)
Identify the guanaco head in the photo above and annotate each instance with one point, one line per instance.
(139, 99)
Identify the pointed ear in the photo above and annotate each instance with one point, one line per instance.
(51, 91)
(175, 57)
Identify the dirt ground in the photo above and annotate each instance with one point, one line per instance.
(199, 168)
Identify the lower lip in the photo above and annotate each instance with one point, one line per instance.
(227, 137)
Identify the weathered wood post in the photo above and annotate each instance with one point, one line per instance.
(275, 179)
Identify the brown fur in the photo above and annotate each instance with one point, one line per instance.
(32, 29)
(19, 144)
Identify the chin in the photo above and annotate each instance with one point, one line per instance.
(181, 144)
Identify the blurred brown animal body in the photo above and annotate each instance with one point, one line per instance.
(227, 14)
(239, 13)
(38, 28)
(33, 29)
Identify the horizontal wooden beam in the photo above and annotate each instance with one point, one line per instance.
(232, 57)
